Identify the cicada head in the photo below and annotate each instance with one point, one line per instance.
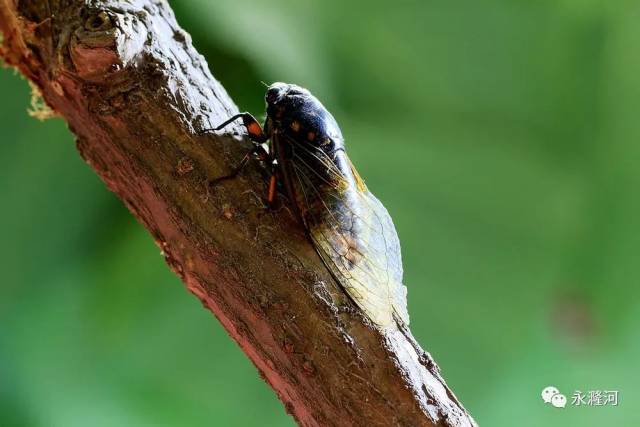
(295, 113)
(276, 92)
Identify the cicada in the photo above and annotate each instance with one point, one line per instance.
(350, 229)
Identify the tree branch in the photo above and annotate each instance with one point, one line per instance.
(135, 92)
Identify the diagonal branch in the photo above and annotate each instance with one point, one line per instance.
(135, 92)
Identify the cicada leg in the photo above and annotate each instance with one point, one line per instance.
(256, 135)
(271, 196)
(257, 151)
(254, 130)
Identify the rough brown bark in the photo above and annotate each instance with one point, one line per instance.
(135, 92)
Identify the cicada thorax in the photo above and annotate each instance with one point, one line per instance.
(307, 144)
(311, 150)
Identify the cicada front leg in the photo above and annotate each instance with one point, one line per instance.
(254, 130)
(256, 135)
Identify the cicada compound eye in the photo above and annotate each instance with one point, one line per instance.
(275, 92)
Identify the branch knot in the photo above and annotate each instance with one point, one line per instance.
(106, 42)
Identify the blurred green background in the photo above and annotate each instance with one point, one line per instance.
(501, 135)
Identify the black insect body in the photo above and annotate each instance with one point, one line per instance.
(349, 227)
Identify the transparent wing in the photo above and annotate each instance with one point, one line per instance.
(352, 232)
